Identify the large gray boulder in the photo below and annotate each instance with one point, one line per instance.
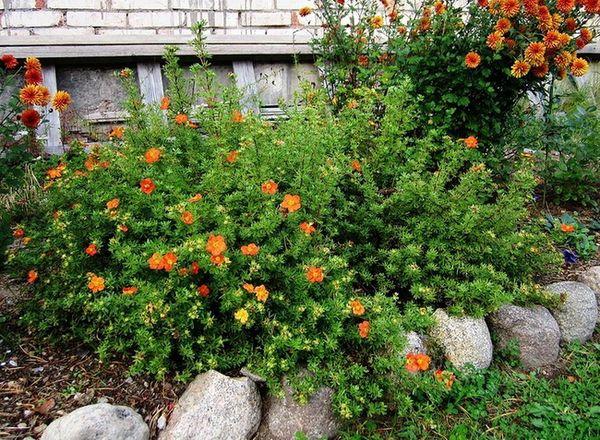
(215, 407)
(101, 421)
(591, 278)
(284, 417)
(535, 330)
(578, 314)
(465, 340)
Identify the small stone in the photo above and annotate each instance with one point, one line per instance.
(100, 421)
(252, 376)
(535, 330)
(161, 423)
(591, 278)
(414, 344)
(102, 400)
(215, 407)
(465, 340)
(578, 314)
(284, 418)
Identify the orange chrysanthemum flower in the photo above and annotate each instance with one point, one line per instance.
(307, 228)
(187, 217)
(33, 77)
(567, 228)
(113, 203)
(34, 94)
(540, 71)
(471, 142)
(291, 203)
(439, 7)
(30, 118)
(376, 22)
(509, 8)
(165, 103)
(472, 60)
(563, 60)
(96, 284)
(565, 6)
(232, 156)
(10, 62)
(152, 155)
(261, 292)
(129, 291)
(61, 101)
(571, 24)
(147, 186)
(269, 187)
(203, 290)
(250, 250)
(494, 41)
(32, 63)
(503, 25)
(364, 328)
(91, 250)
(586, 34)
(357, 307)
(520, 68)
(314, 274)
(32, 277)
(304, 11)
(237, 117)
(579, 66)
(534, 54)
(181, 119)
(215, 245)
(552, 40)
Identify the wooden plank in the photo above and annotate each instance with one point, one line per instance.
(151, 83)
(245, 80)
(51, 130)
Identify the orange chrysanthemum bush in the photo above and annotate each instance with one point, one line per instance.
(470, 66)
(170, 250)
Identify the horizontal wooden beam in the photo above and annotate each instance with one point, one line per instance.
(98, 46)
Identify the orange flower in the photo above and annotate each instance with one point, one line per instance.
(32, 63)
(152, 155)
(356, 166)
(261, 293)
(217, 259)
(10, 62)
(91, 250)
(112, 204)
(248, 287)
(181, 119)
(307, 228)
(304, 11)
(314, 274)
(417, 362)
(520, 68)
(540, 71)
(32, 277)
(165, 103)
(54, 173)
(195, 268)
(563, 60)
(534, 54)
(19, 233)
(33, 76)
(215, 245)
(567, 228)
(471, 142)
(552, 40)
(156, 262)
(204, 290)
(61, 101)
(250, 250)
(96, 284)
(291, 203)
(169, 261)
(503, 25)
(509, 8)
(237, 116)
(447, 377)
(187, 217)
(357, 307)
(195, 198)
(439, 7)
(117, 132)
(129, 291)
(30, 118)
(364, 328)
(269, 187)
(147, 186)
(376, 21)
(472, 60)
(232, 156)
(565, 6)
(363, 60)
(579, 66)
(570, 24)
(495, 40)
(33, 94)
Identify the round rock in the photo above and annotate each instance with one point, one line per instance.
(591, 278)
(465, 340)
(285, 417)
(215, 407)
(578, 314)
(101, 421)
(535, 330)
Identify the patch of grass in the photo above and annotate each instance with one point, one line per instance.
(502, 403)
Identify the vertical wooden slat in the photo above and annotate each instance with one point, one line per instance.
(150, 79)
(51, 129)
(245, 80)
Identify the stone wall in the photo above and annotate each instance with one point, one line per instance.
(151, 17)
